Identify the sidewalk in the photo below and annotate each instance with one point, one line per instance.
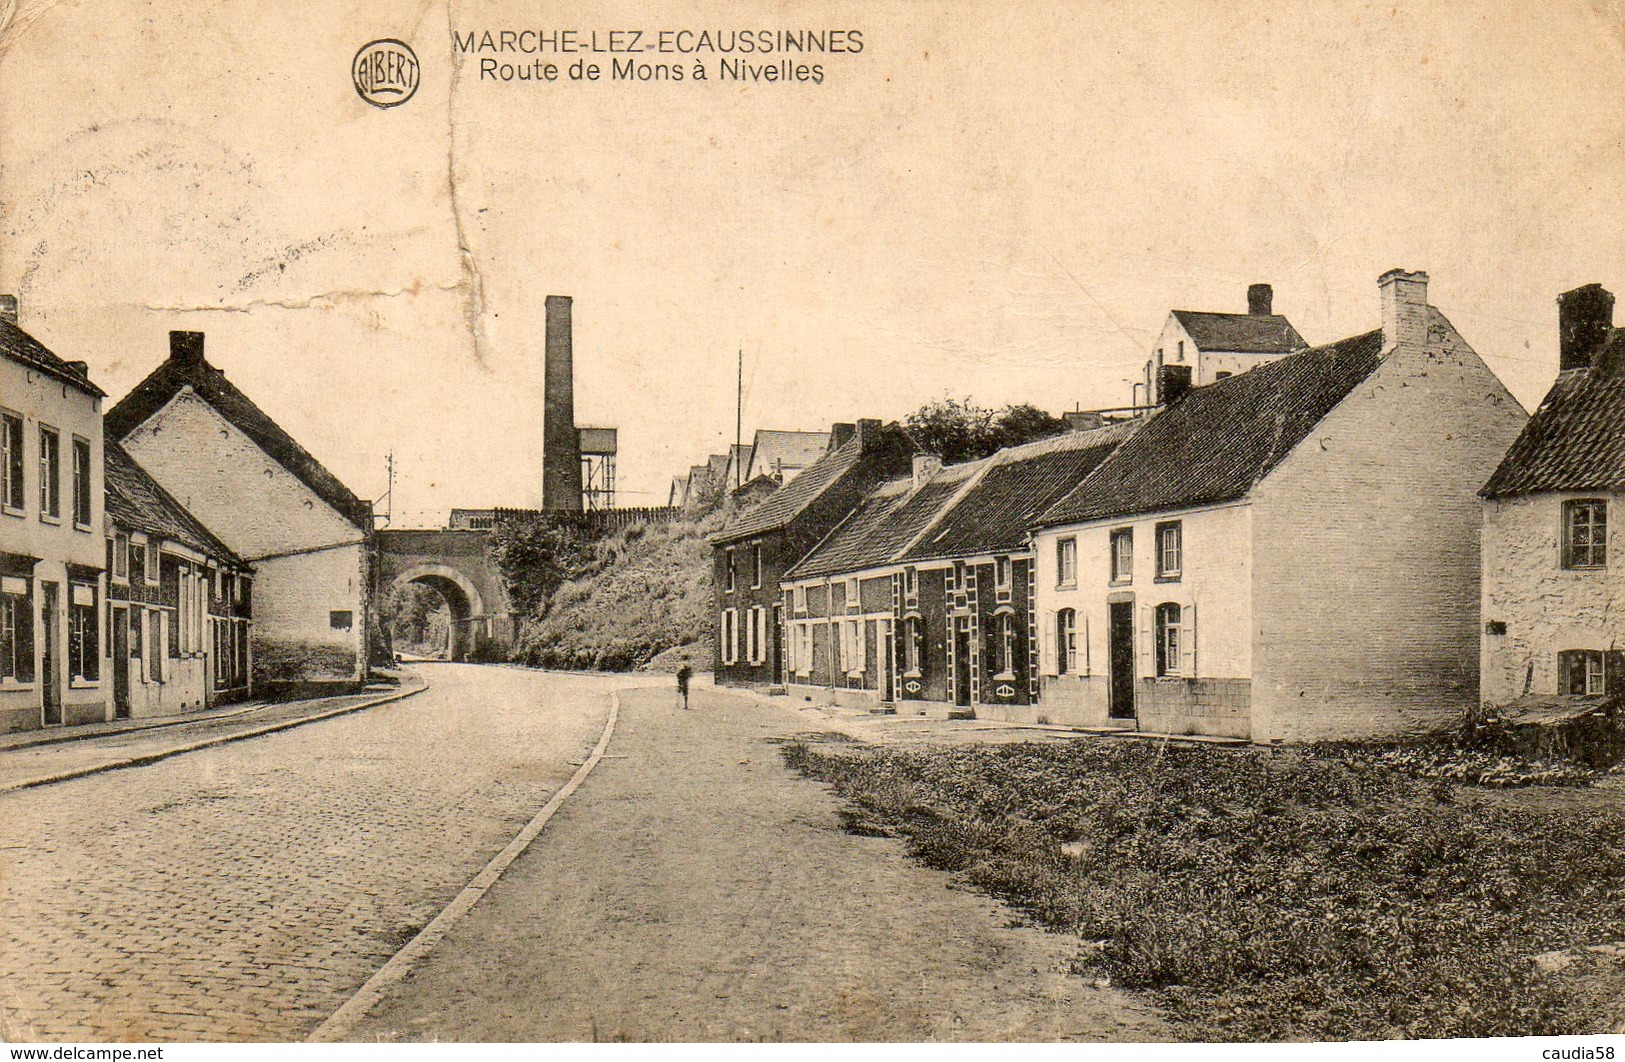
(35, 758)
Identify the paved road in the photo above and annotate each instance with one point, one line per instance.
(244, 892)
(695, 889)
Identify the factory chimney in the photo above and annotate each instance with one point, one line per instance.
(561, 447)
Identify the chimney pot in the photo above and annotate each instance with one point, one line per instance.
(80, 367)
(840, 434)
(1259, 299)
(1585, 322)
(1404, 307)
(925, 466)
(8, 308)
(1173, 381)
(186, 348)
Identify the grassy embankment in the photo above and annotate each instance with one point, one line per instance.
(1262, 895)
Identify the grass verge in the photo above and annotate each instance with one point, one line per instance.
(1260, 895)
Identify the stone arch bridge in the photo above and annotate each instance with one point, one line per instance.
(454, 563)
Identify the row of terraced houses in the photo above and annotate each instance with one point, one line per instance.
(176, 551)
(1284, 543)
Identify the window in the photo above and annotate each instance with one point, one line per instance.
(911, 582)
(50, 474)
(138, 562)
(1582, 672)
(1007, 646)
(804, 654)
(1001, 575)
(749, 636)
(730, 636)
(1170, 550)
(1066, 562)
(341, 619)
(854, 598)
(852, 645)
(16, 630)
(155, 645)
(911, 647)
(798, 600)
(1222, 375)
(11, 461)
(84, 648)
(1168, 638)
(1066, 642)
(1122, 548)
(756, 568)
(152, 562)
(761, 635)
(121, 555)
(728, 570)
(1179, 351)
(1585, 533)
(135, 633)
(81, 482)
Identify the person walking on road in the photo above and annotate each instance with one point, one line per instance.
(684, 673)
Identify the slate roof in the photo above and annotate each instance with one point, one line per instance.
(793, 450)
(1575, 440)
(1218, 441)
(889, 518)
(1019, 483)
(785, 504)
(1262, 333)
(210, 384)
(21, 347)
(136, 502)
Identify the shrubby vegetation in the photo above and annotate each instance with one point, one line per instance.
(1264, 895)
(957, 429)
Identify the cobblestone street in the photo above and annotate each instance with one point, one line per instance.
(244, 892)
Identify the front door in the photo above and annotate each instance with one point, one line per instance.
(962, 662)
(50, 663)
(120, 664)
(1121, 652)
(886, 662)
(776, 664)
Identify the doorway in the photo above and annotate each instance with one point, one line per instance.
(1120, 651)
(962, 662)
(120, 664)
(50, 670)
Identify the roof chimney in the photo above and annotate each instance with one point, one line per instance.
(561, 445)
(925, 466)
(186, 348)
(1172, 383)
(868, 434)
(1585, 321)
(80, 367)
(8, 308)
(1259, 298)
(839, 434)
(1404, 307)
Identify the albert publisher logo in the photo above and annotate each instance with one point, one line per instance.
(385, 72)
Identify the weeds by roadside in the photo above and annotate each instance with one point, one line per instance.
(1262, 896)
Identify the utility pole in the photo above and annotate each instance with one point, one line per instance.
(739, 420)
(389, 491)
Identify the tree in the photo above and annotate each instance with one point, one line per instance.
(957, 429)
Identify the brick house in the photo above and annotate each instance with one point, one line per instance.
(179, 602)
(307, 537)
(1203, 347)
(922, 598)
(1554, 578)
(754, 550)
(52, 551)
(1287, 554)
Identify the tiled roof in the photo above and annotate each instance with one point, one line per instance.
(1019, 483)
(786, 449)
(1263, 333)
(210, 384)
(136, 502)
(1575, 440)
(1218, 441)
(885, 523)
(21, 347)
(778, 509)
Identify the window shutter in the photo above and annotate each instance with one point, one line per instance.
(1047, 649)
(1083, 643)
(1614, 672)
(1187, 641)
(1146, 648)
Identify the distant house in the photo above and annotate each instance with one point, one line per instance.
(1291, 553)
(755, 549)
(308, 538)
(52, 548)
(921, 599)
(179, 602)
(1206, 347)
(782, 455)
(1554, 576)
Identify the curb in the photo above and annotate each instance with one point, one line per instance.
(416, 950)
(154, 757)
(191, 718)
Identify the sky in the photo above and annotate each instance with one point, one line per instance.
(994, 200)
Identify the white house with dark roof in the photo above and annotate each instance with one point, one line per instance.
(1554, 566)
(1204, 347)
(1288, 554)
(308, 538)
(52, 549)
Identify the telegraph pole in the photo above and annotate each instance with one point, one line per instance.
(739, 419)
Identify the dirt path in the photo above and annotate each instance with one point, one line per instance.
(695, 889)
